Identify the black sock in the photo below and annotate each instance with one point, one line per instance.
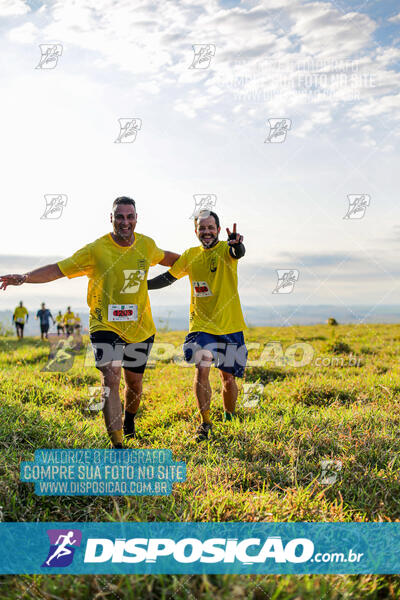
(129, 423)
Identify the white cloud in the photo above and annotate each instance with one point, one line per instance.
(25, 34)
(149, 86)
(395, 18)
(320, 117)
(324, 31)
(387, 56)
(186, 109)
(11, 8)
(153, 43)
(371, 108)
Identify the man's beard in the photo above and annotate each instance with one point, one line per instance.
(209, 243)
(125, 235)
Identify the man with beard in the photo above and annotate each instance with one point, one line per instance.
(216, 319)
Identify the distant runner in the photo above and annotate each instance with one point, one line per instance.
(44, 315)
(20, 317)
(216, 319)
(121, 324)
(77, 323)
(60, 323)
(69, 321)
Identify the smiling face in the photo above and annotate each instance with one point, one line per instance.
(124, 221)
(207, 231)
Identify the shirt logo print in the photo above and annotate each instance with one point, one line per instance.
(213, 265)
(132, 282)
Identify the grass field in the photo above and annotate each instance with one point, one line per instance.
(264, 466)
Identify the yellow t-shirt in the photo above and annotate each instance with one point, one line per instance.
(214, 301)
(59, 319)
(19, 314)
(77, 320)
(69, 318)
(117, 290)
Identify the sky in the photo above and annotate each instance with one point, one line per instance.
(327, 72)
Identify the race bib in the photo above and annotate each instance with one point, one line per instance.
(122, 312)
(201, 289)
(20, 320)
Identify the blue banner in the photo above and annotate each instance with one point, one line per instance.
(127, 472)
(297, 548)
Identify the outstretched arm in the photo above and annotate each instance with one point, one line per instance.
(41, 275)
(169, 259)
(160, 281)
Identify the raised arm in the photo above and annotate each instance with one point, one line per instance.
(235, 242)
(41, 275)
(169, 259)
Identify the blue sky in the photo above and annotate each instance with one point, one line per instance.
(331, 68)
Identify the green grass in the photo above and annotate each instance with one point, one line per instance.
(265, 466)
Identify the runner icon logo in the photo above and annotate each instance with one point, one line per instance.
(286, 281)
(203, 203)
(278, 129)
(358, 204)
(50, 54)
(55, 204)
(128, 129)
(132, 281)
(203, 54)
(62, 547)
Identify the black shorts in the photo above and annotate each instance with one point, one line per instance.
(109, 347)
(44, 328)
(20, 326)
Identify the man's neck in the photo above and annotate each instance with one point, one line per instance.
(212, 245)
(123, 241)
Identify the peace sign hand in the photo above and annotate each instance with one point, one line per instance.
(233, 237)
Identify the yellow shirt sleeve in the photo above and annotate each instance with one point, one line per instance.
(80, 263)
(179, 269)
(157, 255)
